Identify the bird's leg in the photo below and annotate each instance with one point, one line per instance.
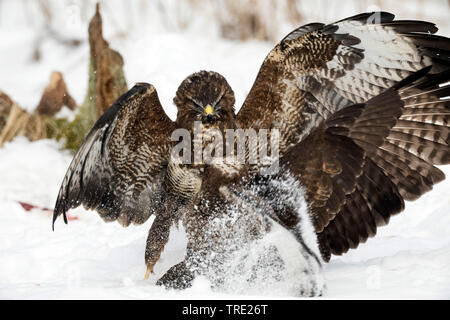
(147, 272)
(158, 236)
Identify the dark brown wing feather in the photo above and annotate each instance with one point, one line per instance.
(318, 69)
(118, 170)
(356, 168)
(359, 137)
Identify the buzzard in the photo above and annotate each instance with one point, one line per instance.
(360, 111)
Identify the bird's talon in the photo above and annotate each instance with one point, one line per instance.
(147, 273)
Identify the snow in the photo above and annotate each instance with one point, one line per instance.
(90, 259)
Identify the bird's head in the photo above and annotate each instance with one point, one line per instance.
(207, 97)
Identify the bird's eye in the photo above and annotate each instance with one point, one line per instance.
(197, 106)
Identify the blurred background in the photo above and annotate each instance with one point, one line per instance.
(174, 36)
(231, 19)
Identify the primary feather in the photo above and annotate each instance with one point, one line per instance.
(363, 120)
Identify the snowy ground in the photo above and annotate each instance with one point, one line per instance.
(409, 258)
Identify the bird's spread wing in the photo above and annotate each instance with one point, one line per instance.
(360, 164)
(359, 137)
(118, 170)
(318, 69)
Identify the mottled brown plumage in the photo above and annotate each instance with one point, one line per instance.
(199, 90)
(355, 182)
(362, 119)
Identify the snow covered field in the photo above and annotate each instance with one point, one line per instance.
(88, 259)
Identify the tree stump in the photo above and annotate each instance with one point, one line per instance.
(106, 84)
(55, 96)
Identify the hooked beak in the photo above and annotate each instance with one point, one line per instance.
(209, 110)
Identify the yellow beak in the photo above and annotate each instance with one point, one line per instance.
(208, 109)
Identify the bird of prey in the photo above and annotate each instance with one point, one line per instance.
(361, 114)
